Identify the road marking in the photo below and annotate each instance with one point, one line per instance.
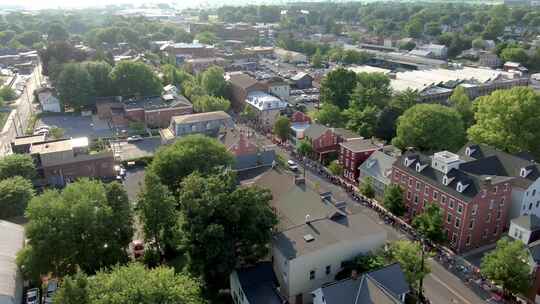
(449, 288)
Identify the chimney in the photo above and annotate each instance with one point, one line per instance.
(308, 218)
(354, 274)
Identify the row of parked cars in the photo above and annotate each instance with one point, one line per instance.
(33, 295)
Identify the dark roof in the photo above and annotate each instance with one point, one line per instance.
(534, 250)
(157, 102)
(242, 80)
(381, 286)
(259, 284)
(488, 159)
(530, 222)
(361, 144)
(346, 134)
(259, 159)
(435, 177)
(315, 130)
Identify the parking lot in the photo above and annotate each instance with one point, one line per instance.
(77, 125)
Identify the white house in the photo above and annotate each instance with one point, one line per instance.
(278, 87)
(525, 228)
(267, 107)
(310, 255)
(384, 285)
(49, 102)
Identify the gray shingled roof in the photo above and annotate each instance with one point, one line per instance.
(377, 166)
(260, 159)
(259, 283)
(315, 131)
(361, 144)
(242, 80)
(381, 286)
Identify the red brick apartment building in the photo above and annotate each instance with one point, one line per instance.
(353, 153)
(475, 206)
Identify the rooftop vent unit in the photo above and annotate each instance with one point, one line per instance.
(309, 238)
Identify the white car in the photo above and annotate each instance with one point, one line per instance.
(293, 166)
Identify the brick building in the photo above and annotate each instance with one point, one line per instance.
(353, 152)
(241, 85)
(325, 141)
(475, 206)
(299, 117)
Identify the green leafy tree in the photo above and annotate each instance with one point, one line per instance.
(363, 121)
(405, 100)
(282, 128)
(516, 54)
(132, 283)
(7, 93)
(186, 155)
(175, 76)
(316, 59)
(329, 115)
(248, 113)
(15, 193)
(478, 43)
(386, 123)
(433, 28)
(17, 165)
(29, 38)
(57, 32)
(335, 168)
(355, 57)
(213, 82)
(393, 200)
(206, 37)
(372, 89)
(223, 225)
(100, 72)
(430, 223)
(135, 78)
(366, 188)
(75, 86)
(409, 257)
(507, 120)
(408, 46)
(337, 86)
(461, 102)
(208, 103)
(88, 232)
(156, 208)
(57, 133)
(493, 29)
(508, 266)
(304, 148)
(414, 28)
(430, 127)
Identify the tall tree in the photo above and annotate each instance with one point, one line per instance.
(135, 78)
(430, 223)
(508, 266)
(337, 86)
(100, 72)
(57, 32)
(17, 165)
(507, 119)
(282, 128)
(316, 59)
(132, 283)
(405, 100)
(366, 188)
(516, 54)
(409, 257)
(186, 155)
(156, 208)
(213, 82)
(393, 200)
(372, 89)
(329, 115)
(461, 102)
(386, 123)
(208, 103)
(85, 234)
(224, 225)
(75, 86)
(430, 127)
(15, 193)
(362, 121)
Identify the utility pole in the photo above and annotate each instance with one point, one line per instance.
(421, 281)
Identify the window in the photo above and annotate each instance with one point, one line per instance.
(537, 204)
(459, 208)
(491, 204)
(468, 242)
(425, 202)
(458, 222)
(534, 192)
(495, 189)
(451, 203)
(495, 230)
(410, 181)
(506, 186)
(449, 218)
(417, 185)
(474, 209)
(328, 269)
(443, 199)
(403, 179)
(416, 198)
(471, 224)
(396, 175)
(484, 193)
(409, 195)
(312, 275)
(454, 238)
(435, 195)
(488, 218)
(530, 206)
(484, 233)
(499, 214)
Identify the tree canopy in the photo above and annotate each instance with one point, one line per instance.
(430, 127)
(75, 86)
(208, 103)
(329, 115)
(132, 283)
(213, 82)
(223, 225)
(508, 120)
(507, 266)
(337, 86)
(409, 256)
(393, 200)
(15, 193)
(430, 223)
(17, 165)
(135, 78)
(92, 227)
(186, 155)
(282, 128)
(461, 102)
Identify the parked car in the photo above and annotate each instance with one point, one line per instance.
(293, 166)
(32, 296)
(137, 247)
(43, 127)
(42, 132)
(52, 286)
(134, 138)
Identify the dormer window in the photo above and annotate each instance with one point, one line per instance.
(445, 180)
(469, 151)
(407, 161)
(524, 172)
(420, 167)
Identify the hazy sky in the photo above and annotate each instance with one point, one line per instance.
(39, 4)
